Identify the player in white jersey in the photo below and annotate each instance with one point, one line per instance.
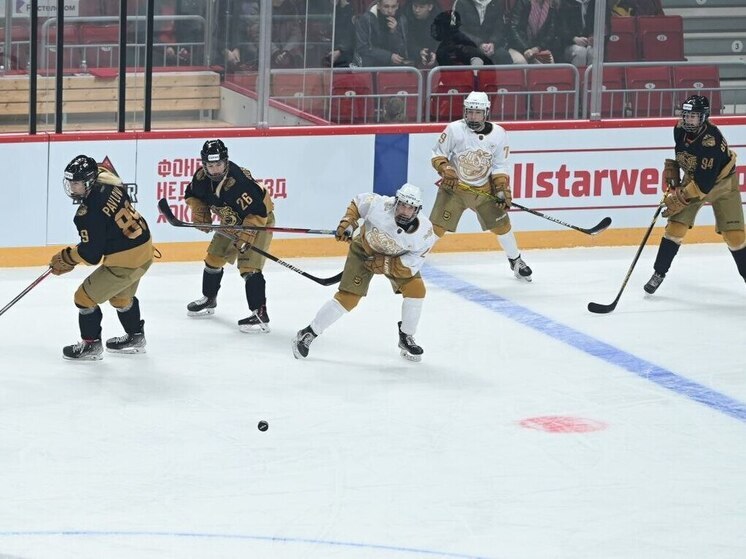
(394, 239)
(471, 158)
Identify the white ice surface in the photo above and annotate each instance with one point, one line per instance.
(370, 456)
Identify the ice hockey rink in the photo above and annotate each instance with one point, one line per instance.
(532, 429)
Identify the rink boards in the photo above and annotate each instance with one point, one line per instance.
(578, 172)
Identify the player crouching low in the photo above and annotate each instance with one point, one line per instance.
(393, 241)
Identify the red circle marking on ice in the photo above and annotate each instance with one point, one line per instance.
(562, 424)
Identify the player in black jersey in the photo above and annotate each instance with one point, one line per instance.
(113, 233)
(709, 176)
(223, 188)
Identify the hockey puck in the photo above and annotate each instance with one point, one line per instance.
(263, 426)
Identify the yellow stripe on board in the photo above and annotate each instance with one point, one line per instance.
(453, 242)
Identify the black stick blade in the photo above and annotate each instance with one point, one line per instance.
(601, 226)
(598, 308)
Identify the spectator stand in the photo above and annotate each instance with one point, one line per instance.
(655, 89)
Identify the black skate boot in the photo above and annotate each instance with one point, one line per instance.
(84, 350)
(409, 350)
(256, 323)
(520, 268)
(302, 342)
(129, 343)
(204, 306)
(654, 283)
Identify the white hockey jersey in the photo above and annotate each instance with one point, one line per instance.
(384, 236)
(475, 156)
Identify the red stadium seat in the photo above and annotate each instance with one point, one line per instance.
(399, 84)
(507, 91)
(352, 98)
(553, 92)
(661, 37)
(612, 94)
(104, 52)
(302, 90)
(622, 42)
(448, 94)
(699, 80)
(643, 91)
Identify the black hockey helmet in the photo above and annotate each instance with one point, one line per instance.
(695, 104)
(445, 24)
(212, 152)
(82, 169)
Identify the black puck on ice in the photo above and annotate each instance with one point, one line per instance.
(263, 426)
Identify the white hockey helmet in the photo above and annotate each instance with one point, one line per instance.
(476, 101)
(408, 204)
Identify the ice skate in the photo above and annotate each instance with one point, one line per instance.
(520, 268)
(256, 323)
(84, 350)
(204, 306)
(129, 343)
(654, 283)
(409, 349)
(302, 342)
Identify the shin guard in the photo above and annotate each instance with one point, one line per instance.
(666, 253)
(89, 321)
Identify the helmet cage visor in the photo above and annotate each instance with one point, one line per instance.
(405, 212)
(475, 115)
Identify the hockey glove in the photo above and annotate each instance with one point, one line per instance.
(200, 213)
(671, 172)
(379, 264)
(62, 262)
(345, 229)
(675, 201)
(244, 238)
(449, 176)
(501, 187)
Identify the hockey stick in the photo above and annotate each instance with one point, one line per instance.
(34, 283)
(600, 226)
(171, 218)
(603, 309)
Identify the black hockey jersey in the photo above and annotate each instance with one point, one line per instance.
(111, 228)
(704, 158)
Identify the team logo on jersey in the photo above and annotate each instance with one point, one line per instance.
(381, 242)
(227, 215)
(82, 210)
(708, 141)
(474, 165)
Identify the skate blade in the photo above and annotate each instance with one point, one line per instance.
(87, 358)
(202, 313)
(128, 351)
(254, 329)
(527, 279)
(294, 345)
(410, 357)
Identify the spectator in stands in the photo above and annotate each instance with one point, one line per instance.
(333, 20)
(394, 109)
(483, 22)
(633, 8)
(455, 48)
(236, 36)
(420, 15)
(575, 28)
(532, 31)
(181, 41)
(287, 34)
(381, 36)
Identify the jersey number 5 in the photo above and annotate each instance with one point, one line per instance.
(130, 221)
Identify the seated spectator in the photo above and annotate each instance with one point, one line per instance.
(633, 8)
(381, 36)
(483, 22)
(532, 31)
(393, 109)
(455, 48)
(183, 39)
(420, 15)
(287, 34)
(341, 28)
(575, 30)
(237, 35)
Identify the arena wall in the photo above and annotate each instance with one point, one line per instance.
(576, 171)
